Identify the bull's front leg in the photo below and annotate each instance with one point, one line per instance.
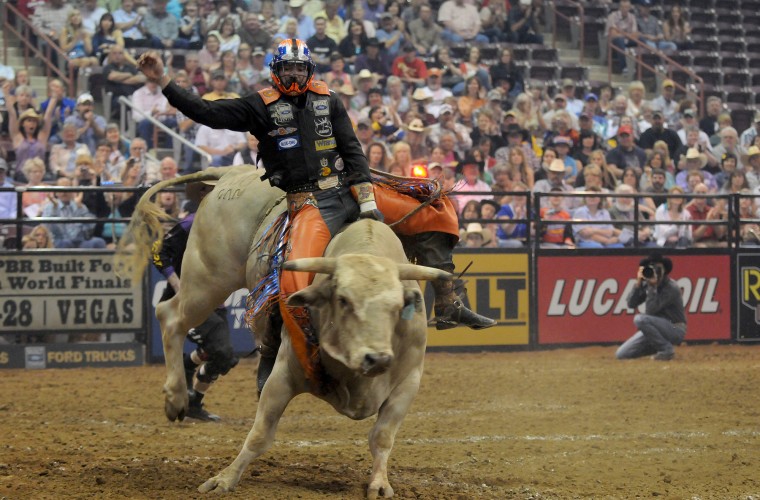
(278, 392)
(383, 433)
(172, 338)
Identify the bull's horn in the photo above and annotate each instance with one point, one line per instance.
(324, 265)
(417, 273)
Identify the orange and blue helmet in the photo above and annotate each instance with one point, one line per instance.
(288, 52)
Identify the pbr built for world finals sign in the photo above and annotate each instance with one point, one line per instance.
(67, 293)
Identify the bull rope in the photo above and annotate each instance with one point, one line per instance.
(427, 191)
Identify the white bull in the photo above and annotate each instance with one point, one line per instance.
(372, 354)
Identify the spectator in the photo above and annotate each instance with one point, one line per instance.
(117, 150)
(439, 94)
(228, 38)
(32, 202)
(470, 212)
(270, 22)
(592, 179)
(210, 55)
(523, 23)
(106, 35)
(626, 154)
(705, 235)
(336, 28)
(487, 127)
(228, 65)
(68, 204)
(636, 98)
(63, 156)
(305, 23)
(747, 138)
(657, 189)
(123, 202)
(8, 199)
(87, 174)
(76, 42)
(555, 235)
(91, 128)
(515, 234)
(623, 214)
(502, 183)
(41, 237)
(461, 22)
(727, 166)
(659, 160)
(729, 143)
(261, 73)
(666, 102)
(658, 132)
(129, 21)
(354, 43)
(562, 145)
(121, 78)
(219, 87)
(749, 232)
(363, 83)
(573, 105)
(709, 123)
(417, 138)
(377, 156)
(162, 28)
(621, 28)
(50, 17)
(471, 182)
(693, 137)
(676, 29)
(519, 168)
(650, 30)
(321, 45)
(506, 75)
(695, 162)
(192, 26)
(672, 235)
(475, 236)
(594, 235)
(375, 59)
(424, 33)
(29, 132)
(221, 144)
(223, 11)
(555, 179)
(91, 15)
(488, 211)
(389, 34)
(149, 100)
(411, 69)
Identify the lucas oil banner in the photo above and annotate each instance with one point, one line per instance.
(582, 299)
(748, 296)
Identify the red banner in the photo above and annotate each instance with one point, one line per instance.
(582, 299)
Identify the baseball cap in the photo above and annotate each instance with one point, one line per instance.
(373, 42)
(568, 82)
(258, 51)
(409, 48)
(85, 97)
(364, 122)
(657, 112)
(445, 108)
(689, 112)
(625, 129)
(563, 140)
(386, 15)
(668, 83)
(495, 95)
(560, 97)
(591, 96)
(434, 164)
(434, 72)
(218, 74)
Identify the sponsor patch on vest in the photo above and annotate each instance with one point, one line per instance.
(281, 113)
(321, 107)
(325, 171)
(291, 142)
(323, 144)
(339, 164)
(323, 127)
(281, 131)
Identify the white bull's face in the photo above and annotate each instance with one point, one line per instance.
(356, 311)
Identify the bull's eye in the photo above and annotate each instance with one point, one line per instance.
(343, 303)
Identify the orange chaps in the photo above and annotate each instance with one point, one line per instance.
(311, 236)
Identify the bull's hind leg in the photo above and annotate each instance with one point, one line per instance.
(278, 392)
(187, 309)
(383, 434)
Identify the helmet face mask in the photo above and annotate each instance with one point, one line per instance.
(292, 67)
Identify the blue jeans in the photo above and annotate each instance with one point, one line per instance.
(453, 38)
(621, 42)
(655, 335)
(596, 244)
(663, 45)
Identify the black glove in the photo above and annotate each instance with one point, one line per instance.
(372, 214)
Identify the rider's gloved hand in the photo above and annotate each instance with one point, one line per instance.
(368, 210)
(365, 197)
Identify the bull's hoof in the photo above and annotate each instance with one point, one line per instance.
(175, 406)
(379, 491)
(218, 484)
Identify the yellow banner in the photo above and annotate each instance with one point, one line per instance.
(497, 287)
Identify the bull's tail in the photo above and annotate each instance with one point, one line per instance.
(145, 229)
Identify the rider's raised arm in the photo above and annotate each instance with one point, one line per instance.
(240, 114)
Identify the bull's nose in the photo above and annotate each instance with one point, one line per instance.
(376, 362)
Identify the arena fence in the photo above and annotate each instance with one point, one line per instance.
(66, 308)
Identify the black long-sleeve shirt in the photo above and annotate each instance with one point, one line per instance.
(664, 301)
(303, 138)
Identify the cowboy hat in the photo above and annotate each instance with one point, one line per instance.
(421, 94)
(416, 125)
(365, 74)
(694, 154)
(752, 151)
(495, 204)
(656, 258)
(557, 166)
(30, 113)
(476, 228)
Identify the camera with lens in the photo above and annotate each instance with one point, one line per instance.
(649, 272)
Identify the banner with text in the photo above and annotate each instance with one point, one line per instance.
(240, 334)
(582, 299)
(748, 296)
(37, 357)
(497, 287)
(71, 292)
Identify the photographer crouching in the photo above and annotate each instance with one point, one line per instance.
(663, 325)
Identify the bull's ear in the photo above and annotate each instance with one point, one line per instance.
(311, 296)
(413, 297)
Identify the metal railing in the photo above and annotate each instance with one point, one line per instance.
(177, 139)
(570, 20)
(640, 65)
(22, 28)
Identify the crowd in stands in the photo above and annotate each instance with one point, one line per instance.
(487, 131)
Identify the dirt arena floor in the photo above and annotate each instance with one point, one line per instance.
(525, 425)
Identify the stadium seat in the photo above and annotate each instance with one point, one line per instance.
(543, 73)
(736, 79)
(596, 12)
(707, 44)
(705, 31)
(574, 72)
(744, 97)
(733, 62)
(521, 52)
(705, 60)
(702, 17)
(711, 77)
(734, 18)
(545, 54)
(684, 58)
(733, 46)
(697, 5)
